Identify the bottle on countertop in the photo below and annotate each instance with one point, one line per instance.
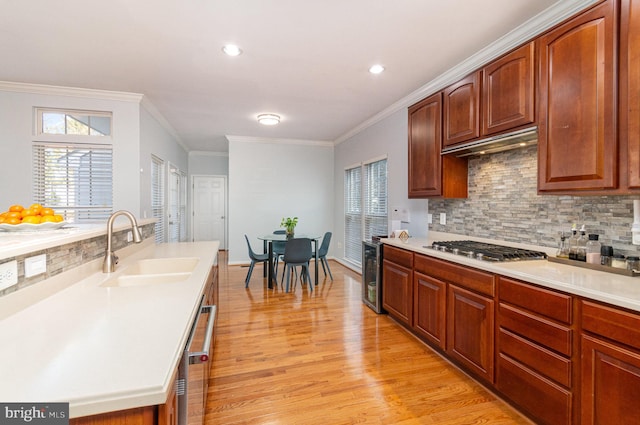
(593, 249)
(573, 243)
(606, 255)
(563, 247)
(633, 263)
(581, 252)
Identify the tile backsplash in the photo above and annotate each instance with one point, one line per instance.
(503, 204)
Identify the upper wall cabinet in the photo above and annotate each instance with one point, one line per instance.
(630, 91)
(508, 99)
(431, 174)
(462, 110)
(577, 146)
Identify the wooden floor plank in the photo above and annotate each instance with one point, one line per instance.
(323, 357)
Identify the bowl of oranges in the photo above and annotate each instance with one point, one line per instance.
(34, 217)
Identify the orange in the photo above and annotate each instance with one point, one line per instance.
(12, 220)
(32, 219)
(28, 212)
(48, 219)
(14, 214)
(2, 219)
(46, 211)
(4, 214)
(16, 207)
(36, 208)
(58, 218)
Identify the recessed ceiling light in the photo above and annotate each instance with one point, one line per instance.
(268, 119)
(232, 50)
(376, 69)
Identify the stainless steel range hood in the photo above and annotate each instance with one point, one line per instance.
(513, 140)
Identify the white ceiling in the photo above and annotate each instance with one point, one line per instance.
(304, 60)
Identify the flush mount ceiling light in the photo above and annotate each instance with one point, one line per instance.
(376, 69)
(268, 119)
(232, 50)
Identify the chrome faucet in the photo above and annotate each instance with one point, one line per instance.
(110, 258)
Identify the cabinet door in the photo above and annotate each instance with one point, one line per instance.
(610, 383)
(397, 291)
(462, 110)
(577, 121)
(470, 331)
(429, 308)
(430, 174)
(630, 89)
(508, 91)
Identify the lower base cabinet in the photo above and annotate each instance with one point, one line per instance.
(429, 308)
(397, 281)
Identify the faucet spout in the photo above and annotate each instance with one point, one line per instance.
(110, 258)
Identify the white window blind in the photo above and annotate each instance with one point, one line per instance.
(365, 201)
(157, 197)
(353, 214)
(375, 199)
(75, 179)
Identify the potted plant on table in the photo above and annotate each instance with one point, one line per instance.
(290, 225)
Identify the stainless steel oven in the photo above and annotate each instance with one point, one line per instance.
(193, 372)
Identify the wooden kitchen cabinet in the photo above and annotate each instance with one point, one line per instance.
(397, 284)
(629, 93)
(610, 365)
(431, 174)
(535, 350)
(577, 143)
(508, 91)
(462, 110)
(429, 304)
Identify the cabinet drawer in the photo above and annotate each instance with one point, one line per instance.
(466, 277)
(537, 358)
(546, 333)
(551, 304)
(398, 256)
(544, 400)
(611, 323)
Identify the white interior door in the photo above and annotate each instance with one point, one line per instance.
(209, 209)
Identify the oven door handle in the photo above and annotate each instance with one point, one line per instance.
(202, 356)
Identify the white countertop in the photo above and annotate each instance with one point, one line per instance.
(100, 348)
(13, 244)
(618, 290)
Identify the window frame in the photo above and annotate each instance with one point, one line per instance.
(76, 138)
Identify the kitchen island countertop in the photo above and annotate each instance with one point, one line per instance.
(614, 289)
(100, 348)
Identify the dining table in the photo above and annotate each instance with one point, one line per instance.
(267, 245)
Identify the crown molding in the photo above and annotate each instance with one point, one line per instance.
(249, 139)
(520, 35)
(208, 153)
(70, 91)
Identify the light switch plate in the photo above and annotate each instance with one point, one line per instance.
(443, 218)
(8, 274)
(429, 218)
(35, 265)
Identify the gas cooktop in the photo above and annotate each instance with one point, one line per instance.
(487, 251)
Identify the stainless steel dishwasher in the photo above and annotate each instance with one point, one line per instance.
(193, 372)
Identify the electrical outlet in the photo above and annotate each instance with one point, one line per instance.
(8, 274)
(443, 218)
(129, 236)
(35, 265)
(429, 218)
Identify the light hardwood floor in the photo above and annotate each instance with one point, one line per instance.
(325, 358)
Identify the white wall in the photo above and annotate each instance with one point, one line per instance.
(17, 132)
(209, 163)
(156, 140)
(387, 137)
(271, 180)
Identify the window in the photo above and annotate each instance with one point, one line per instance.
(74, 179)
(157, 197)
(75, 123)
(365, 191)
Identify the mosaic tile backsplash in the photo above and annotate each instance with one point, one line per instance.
(503, 204)
(66, 257)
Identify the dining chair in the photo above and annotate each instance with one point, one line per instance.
(278, 249)
(297, 252)
(255, 258)
(322, 254)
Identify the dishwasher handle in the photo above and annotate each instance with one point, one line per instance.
(202, 356)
